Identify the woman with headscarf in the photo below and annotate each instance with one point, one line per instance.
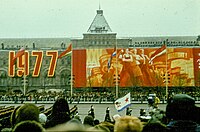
(60, 113)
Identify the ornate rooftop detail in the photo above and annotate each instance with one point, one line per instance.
(99, 24)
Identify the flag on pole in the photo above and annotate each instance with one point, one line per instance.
(122, 103)
(19, 53)
(158, 52)
(112, 55)
(67, 51)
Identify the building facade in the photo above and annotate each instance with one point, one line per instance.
(98, 36)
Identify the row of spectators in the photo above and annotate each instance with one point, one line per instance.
(181, 116)
(86, 96)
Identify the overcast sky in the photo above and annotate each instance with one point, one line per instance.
(72, 18)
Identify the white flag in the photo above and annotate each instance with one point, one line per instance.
(122, 103)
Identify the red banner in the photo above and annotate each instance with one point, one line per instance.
(79, 68)
(135, 67)
(196, 54)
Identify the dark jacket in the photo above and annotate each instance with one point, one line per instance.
(183, 126)
(57, 119)
(60, 113)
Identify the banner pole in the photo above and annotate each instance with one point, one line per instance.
(24, 73)
(116, 77)
(71, 72)
(166, 73)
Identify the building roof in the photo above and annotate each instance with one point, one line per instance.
(161, 38)
(54, 43)
(99, 24)
(38, 42)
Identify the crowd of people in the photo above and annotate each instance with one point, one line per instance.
(139, 96)
(181, 115)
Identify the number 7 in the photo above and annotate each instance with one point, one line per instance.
(52, 66)
(38, 62)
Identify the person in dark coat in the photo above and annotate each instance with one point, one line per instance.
(91, 111)
(182, 113)
(28, 126)
(60, 113)
(88, 121)
(107, 117)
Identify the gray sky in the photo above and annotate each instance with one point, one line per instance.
(71, 18)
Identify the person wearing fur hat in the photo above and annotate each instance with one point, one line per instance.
(27, 112)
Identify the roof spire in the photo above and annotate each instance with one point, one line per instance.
(99, 5)
(99, 24)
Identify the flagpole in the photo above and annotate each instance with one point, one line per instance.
(24, 73)
(166, 74)
(24, 84)
(71, 90)
(116, 77)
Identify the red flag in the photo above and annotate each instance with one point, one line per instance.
(68, 50)
(162, 50)
(19, 53)
(158, 51)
